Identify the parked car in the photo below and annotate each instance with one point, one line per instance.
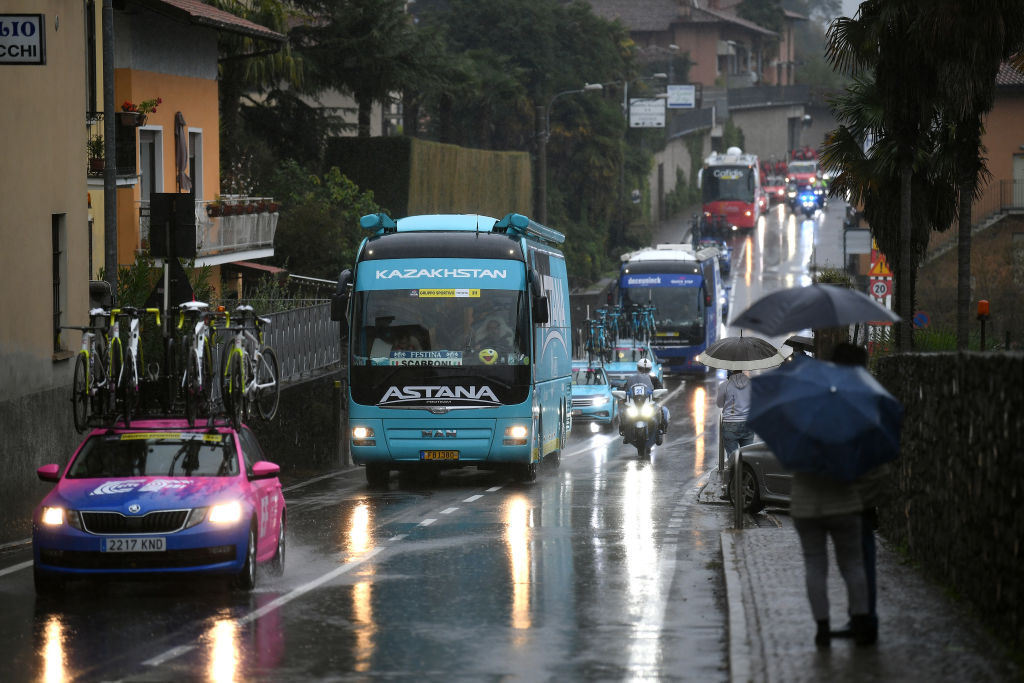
(764, 481)
(592, 400)
(624, 357)
(160, 498)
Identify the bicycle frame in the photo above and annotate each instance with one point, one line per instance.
(199, 339)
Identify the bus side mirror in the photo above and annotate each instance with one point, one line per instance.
(339, 300)
(540, 310)
(540, 302)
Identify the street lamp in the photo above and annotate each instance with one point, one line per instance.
(543, 133)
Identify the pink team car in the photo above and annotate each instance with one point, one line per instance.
(160, 498)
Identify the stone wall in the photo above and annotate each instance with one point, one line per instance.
(958, 498)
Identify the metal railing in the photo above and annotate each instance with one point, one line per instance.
(251, 225)
(1000, 197)
(305, 340)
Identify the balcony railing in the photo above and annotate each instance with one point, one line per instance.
(250, 225)
(1000, 197)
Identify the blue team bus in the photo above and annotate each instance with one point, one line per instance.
(459, 347)
(684, 286)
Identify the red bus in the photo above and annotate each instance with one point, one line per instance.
(731, 191)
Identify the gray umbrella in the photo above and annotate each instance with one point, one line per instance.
(813, 307)
(181, 153)
(741, 353)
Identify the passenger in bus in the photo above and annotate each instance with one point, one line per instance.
(493, 334)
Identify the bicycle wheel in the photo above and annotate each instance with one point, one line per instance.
(115, 373)
(170, 375)
(234, 390)
(80, 393)
(268, 388)
(192, 388)
(128, 388)
(206, 379)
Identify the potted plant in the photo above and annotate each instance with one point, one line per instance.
(94, 148)
(133, 114)
(214, 209)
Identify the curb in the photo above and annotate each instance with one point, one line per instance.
(739, 639)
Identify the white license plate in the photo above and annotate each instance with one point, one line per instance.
(149, 544)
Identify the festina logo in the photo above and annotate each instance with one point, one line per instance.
(469, 395)
(499, 273)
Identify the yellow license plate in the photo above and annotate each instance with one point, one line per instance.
(439, 455)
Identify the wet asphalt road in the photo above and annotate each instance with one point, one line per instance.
(605, 568)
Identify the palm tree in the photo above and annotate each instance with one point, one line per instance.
(881, 41)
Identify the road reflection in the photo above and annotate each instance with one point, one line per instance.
(54, 657)
(699, 410)
(224, 655)
(359, 537)
(517, 539)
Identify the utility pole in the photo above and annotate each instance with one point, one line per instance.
(109, 152)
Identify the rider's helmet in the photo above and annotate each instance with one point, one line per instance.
(643, 365)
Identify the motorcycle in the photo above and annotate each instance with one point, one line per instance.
(639, 416)
(808, 202)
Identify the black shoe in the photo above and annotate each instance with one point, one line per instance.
(865, 629)
(823, 638)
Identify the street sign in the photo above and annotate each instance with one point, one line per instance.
(682, 97)
(22, 39)
(880, 287)
(921, 320)
(646, 112)
(879, 268)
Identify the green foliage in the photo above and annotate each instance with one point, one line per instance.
(732, 135)
(766, 13)
(318, 230)
(832, 276)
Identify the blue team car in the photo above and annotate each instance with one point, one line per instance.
(624, 357)
(592, 400)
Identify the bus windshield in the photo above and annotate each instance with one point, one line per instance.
(442, 327)
(679, 311)
(727, 183)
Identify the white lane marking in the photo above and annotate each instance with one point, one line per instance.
(427, 522)
(448, 511)
(169, 655)
(15, 568)
(493, 489)
(311, 481)
(399, 537)
(473, 498)
(274, 604)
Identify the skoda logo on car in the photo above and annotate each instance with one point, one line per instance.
(134, 508)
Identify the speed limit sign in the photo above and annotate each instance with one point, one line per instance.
(880, 288)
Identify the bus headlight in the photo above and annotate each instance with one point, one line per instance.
(363, 436)
(515, 435)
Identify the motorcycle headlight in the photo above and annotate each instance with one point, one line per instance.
(647, 410)
(631, 410)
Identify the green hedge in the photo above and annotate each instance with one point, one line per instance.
(409, 176)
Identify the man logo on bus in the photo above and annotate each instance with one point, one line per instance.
(433, 394)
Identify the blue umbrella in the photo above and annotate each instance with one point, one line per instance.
(824, 418)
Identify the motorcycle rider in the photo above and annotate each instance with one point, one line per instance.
(643, 376)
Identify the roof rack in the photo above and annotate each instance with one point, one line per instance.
(518, 224)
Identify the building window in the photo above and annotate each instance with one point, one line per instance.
(59, 274)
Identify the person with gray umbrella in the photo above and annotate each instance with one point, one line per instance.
(734, 400)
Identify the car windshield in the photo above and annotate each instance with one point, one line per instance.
(156, 454)
(589, 376)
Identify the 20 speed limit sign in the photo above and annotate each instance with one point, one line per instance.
(880, 288)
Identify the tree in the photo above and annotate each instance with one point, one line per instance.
(882, 41)
(369, 48)
(971, 38)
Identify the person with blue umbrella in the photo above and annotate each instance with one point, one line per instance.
(830, 424)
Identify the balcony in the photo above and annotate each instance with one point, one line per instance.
(124, 154)
(234, 228)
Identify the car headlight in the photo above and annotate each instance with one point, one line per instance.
(52, 516)
(225, 513)
(599, 401)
